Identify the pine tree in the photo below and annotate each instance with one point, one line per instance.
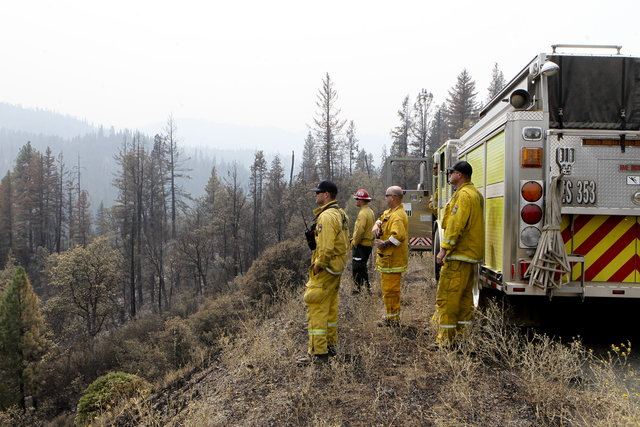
(327, 127)
(497, 82)
(22, 342)
(400, 134)
(59, 195)
(23, 215)
(233, 218)
(309, 172)
(462, 108)
(404, 174)
(256, 190)
(212, 192)
(352, 146)
(82, 220)
(439, 129)
(102, 221)
(6, 217)
(128, 212)
(155, 224)
(364, 162)
(199, 241)
(421, 122)
(276, 213)
(177, 171)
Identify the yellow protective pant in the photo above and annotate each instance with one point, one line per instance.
(454, 301)
(390, 283)
(321, 298)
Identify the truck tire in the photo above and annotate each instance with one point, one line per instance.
(436, 250)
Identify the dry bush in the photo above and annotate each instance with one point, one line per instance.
(16, 417)
(65, 375)
(283, 266)
(133, 348)
(611, 397)
(151, 347)
(213, 319)
(177, 342)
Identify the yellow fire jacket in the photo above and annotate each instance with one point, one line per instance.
(362, 234)
(332, 238)
(395, 227)
(463, 225)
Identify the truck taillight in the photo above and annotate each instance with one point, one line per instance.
(531, 199)
(531, 213)
(531, 191)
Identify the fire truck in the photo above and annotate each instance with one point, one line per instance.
(573, 115)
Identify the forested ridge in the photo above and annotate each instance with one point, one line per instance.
(143, 285)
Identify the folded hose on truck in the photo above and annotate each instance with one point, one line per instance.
(550, 263)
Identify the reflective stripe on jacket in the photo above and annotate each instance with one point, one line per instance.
(463, 225)
(395, 227)
(332, 238)
(362, 234)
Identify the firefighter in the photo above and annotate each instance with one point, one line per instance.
(361, 241)
(327, 264)
(462, 248)
(393, 253)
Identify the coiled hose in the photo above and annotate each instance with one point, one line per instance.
(550, 263)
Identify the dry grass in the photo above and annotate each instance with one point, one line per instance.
(387, 377)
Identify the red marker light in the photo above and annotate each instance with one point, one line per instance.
(531, 214)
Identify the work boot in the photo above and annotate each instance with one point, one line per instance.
(313, 359)
(333, 350)
(388, 323)
(438, 347)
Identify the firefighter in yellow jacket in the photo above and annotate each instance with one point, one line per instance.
(327, 264)
(392, 230)
(362, 241)
(461, 250)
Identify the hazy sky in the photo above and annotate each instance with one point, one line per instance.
(261, 63)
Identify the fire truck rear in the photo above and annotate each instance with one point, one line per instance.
(573, 117)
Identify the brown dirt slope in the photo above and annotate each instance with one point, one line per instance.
(381, 377)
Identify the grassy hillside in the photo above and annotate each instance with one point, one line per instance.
(388, 377)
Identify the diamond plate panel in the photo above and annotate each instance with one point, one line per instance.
(604, 167)
(525, 115)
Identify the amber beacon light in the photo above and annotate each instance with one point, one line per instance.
(531, 157)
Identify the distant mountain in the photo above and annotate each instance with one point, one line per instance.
(37, 121)
(206, 144)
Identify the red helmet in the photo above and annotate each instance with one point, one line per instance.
(362, 195)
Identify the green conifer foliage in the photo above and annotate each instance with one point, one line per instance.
(22, 343)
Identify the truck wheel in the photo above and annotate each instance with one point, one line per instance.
(436, 249)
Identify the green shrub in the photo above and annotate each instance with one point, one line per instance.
(106, 392)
